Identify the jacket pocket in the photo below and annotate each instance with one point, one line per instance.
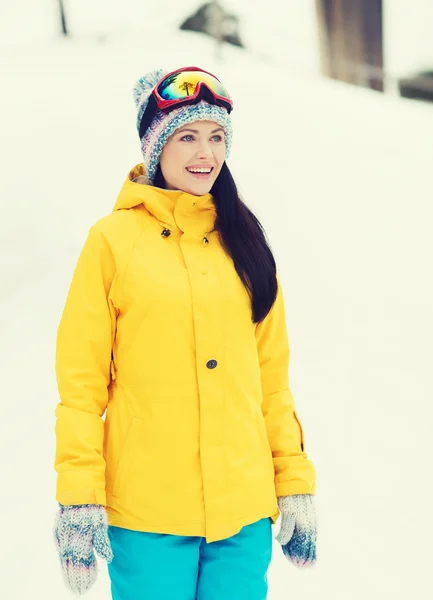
(126, 455)
(301, 431)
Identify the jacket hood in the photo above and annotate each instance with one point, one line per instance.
(175, 209)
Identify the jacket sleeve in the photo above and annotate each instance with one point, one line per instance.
(294, 473)
(83, 359)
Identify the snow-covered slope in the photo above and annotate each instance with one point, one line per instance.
(284, 33)
(341, 178)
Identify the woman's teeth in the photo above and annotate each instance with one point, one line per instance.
(207, 171)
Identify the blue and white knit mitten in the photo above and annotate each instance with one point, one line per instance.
(78, 530)
(298, 531)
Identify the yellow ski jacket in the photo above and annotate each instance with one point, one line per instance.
(175, 412)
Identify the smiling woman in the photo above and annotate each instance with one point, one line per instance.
(175, 328)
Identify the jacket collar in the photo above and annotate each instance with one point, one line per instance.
(174, 209)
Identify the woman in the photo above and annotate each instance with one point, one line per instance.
(174, 326)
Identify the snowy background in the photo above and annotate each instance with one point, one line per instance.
(342, 180)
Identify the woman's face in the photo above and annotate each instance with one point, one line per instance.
(193, 156)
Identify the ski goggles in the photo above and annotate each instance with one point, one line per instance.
(185, 86)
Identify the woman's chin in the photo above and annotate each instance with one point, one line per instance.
(199, 188)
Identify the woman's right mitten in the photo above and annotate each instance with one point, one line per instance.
(79, 530)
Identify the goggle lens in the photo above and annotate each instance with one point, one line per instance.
(179, 86)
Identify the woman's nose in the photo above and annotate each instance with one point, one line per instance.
(204, 151)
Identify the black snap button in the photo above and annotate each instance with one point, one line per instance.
(211, 364)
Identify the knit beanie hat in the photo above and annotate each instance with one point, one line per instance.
(164, 124)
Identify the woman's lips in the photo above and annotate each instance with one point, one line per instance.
(200, 175)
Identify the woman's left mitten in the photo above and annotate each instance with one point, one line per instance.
(78, 531)
(298, 531)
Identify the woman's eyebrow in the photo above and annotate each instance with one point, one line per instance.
(187, 129)
(197, 132)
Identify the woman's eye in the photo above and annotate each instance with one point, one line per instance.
(190, 138)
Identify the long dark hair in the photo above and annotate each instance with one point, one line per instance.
(243, 238)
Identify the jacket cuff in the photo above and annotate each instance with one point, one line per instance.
(289, 488)
(75, 497)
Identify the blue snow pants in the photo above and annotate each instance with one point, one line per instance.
(155, 566)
